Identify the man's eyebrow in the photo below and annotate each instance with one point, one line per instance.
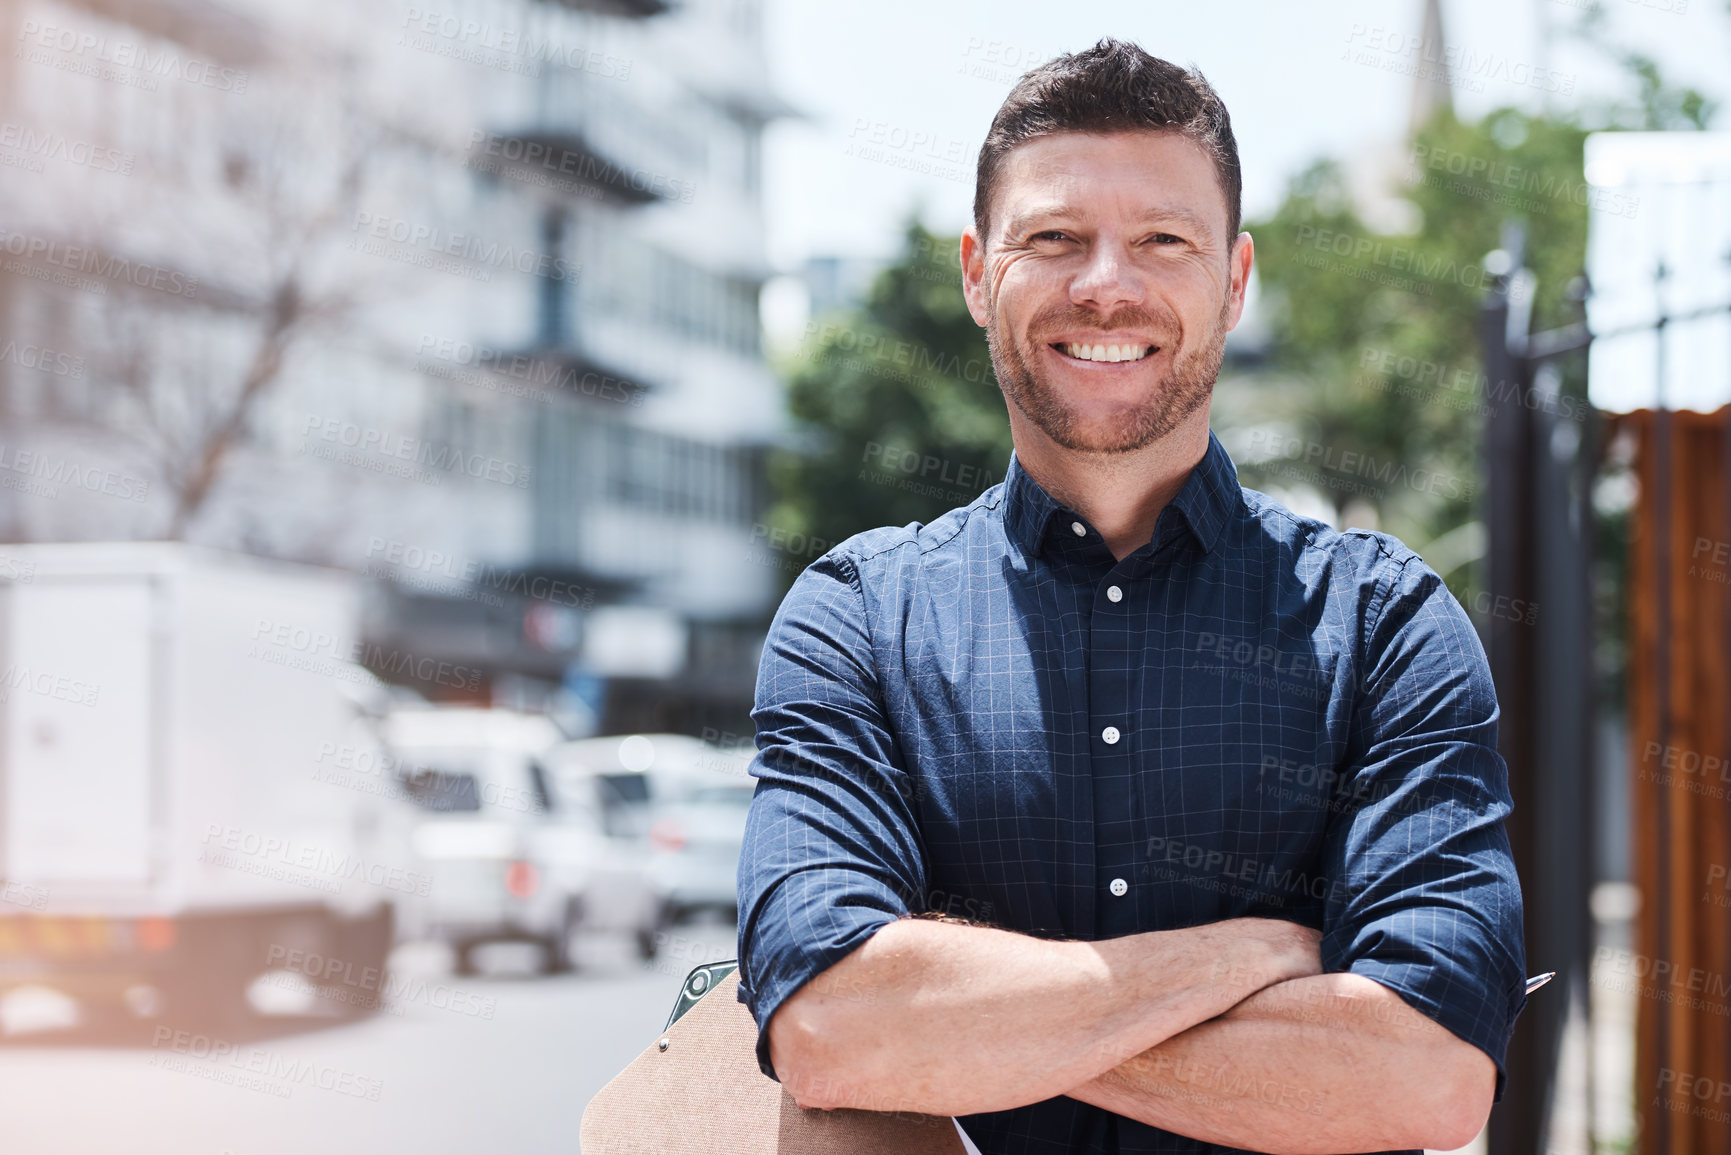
(1054, 214)
(1182, 216)
(1042, 214)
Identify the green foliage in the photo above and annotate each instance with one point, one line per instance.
(901, 411)
(1375, 352)
(1658, 105)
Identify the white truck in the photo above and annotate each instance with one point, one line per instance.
(192, 794)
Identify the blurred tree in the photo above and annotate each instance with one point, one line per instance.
(900, 405)
(1373, 361)
(1659, 106)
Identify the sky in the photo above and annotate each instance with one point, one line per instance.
(897, 94)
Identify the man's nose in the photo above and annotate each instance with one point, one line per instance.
(1109, 279)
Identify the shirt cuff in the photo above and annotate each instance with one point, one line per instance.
(770, 973)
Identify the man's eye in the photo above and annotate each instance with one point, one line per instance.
(1052, 235)
(1166, 239)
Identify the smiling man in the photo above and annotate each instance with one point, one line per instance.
(1216, 784)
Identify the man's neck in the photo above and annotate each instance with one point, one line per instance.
(1121, 494)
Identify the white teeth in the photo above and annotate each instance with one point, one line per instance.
(1107, 352)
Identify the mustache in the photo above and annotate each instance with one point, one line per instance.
(1060, 318)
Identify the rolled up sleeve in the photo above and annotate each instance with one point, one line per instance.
(832, 849)
(1425, 899)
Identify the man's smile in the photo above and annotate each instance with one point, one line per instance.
(1105, 351)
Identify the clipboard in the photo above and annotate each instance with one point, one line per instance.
(697, 1090)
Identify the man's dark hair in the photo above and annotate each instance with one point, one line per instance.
(1111, 87)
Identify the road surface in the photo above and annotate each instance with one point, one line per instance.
(500, 1063)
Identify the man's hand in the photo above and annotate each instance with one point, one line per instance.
(1327, 1063)
(957, 1020)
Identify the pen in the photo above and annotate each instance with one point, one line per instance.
(1538, 981)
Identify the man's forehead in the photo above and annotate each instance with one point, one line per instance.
(1148, 173)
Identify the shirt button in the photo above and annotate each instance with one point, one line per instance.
(1113, 593)
(1119, 887)
(1078, 529)
(1111, 735)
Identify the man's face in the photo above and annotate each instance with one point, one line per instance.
(1108, 285)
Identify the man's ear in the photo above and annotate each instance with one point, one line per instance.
(975, 289)
(1238, 266)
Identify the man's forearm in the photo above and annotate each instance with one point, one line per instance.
(1322, 1064)
(956, 1019)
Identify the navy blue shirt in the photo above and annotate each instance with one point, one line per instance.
(1253, 714)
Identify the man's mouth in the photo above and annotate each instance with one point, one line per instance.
(1105, 352)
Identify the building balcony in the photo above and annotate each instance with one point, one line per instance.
(631, 9)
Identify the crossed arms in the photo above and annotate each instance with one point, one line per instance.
(1228, 1033)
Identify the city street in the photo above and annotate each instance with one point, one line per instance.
(504, 1062)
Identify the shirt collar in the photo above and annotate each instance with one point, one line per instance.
(1207, 498)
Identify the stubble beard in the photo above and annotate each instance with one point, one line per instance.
(1186, 388)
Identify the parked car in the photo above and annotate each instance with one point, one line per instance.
(687, 796)
(510, 859)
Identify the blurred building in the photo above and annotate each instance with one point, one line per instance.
(464, 300)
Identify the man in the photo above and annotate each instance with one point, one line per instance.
(1214, 787)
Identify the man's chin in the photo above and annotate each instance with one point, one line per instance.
(1121, 433)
